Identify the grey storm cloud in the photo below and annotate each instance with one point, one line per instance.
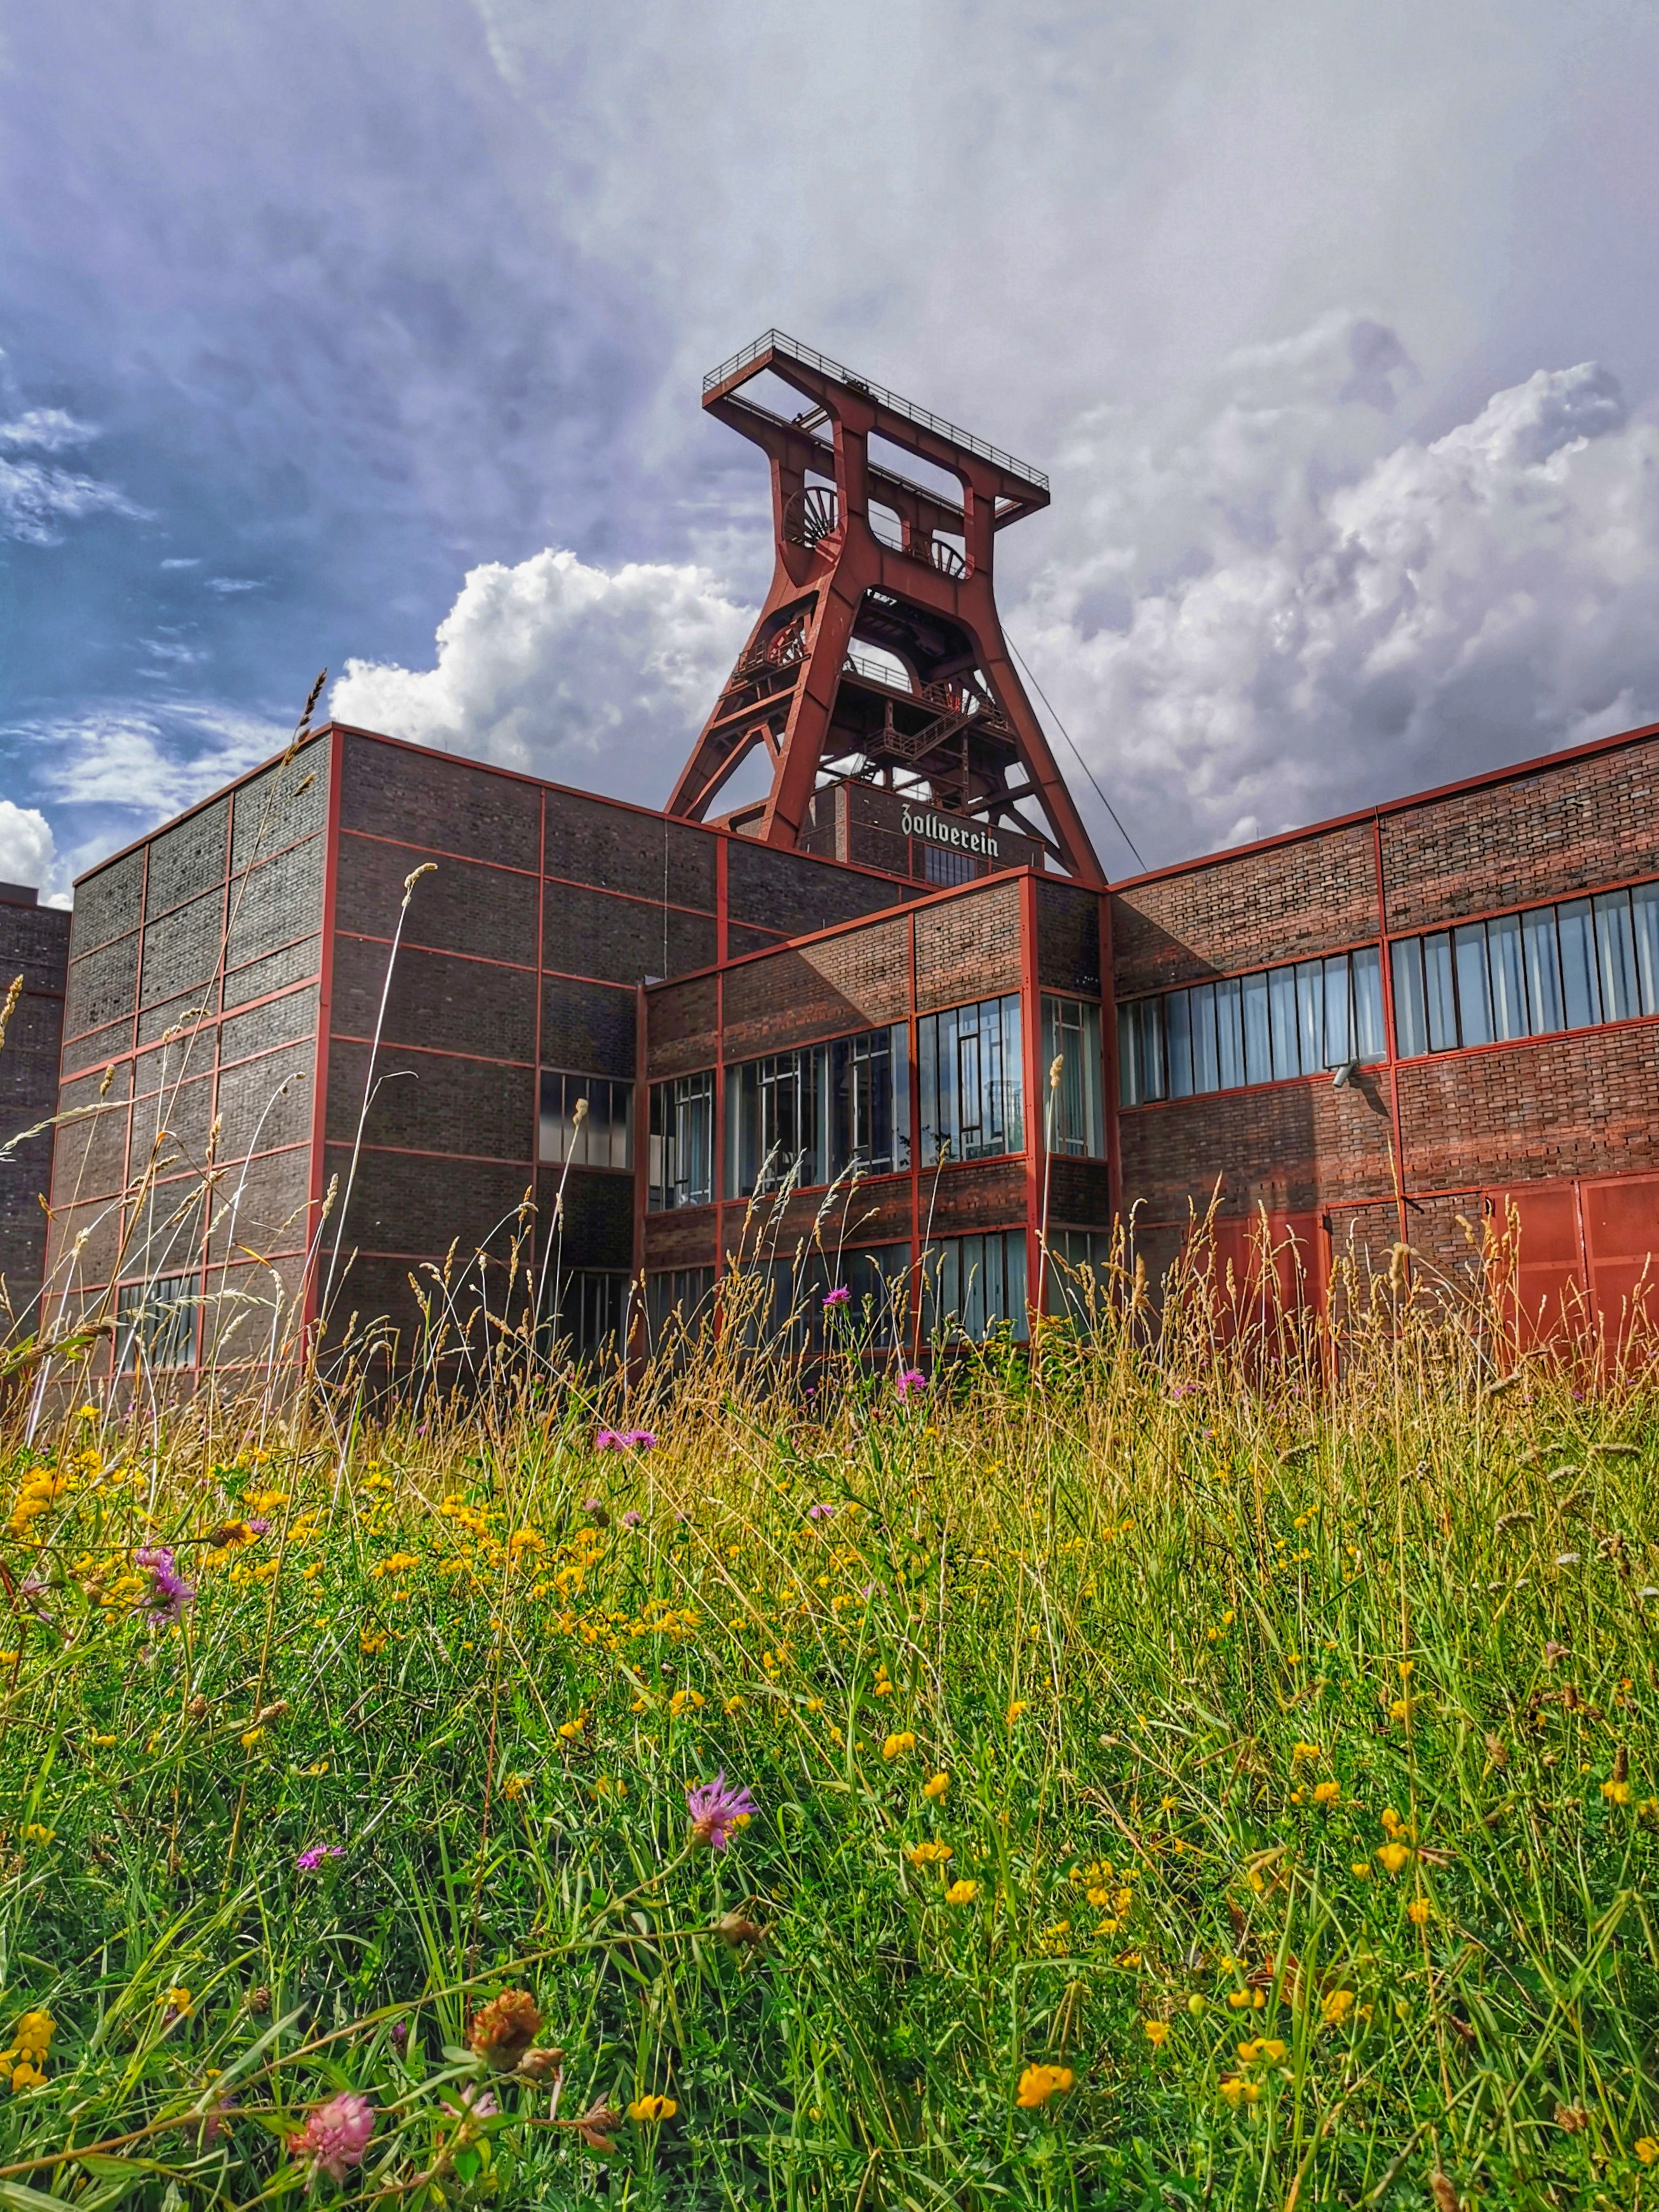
(391, 321)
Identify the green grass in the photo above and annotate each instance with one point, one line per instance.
(1144, 1612)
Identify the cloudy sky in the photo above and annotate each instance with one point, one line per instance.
(368, 335)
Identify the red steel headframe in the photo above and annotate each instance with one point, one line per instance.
(927, 601)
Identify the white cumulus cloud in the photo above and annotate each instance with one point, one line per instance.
(1287, 609)
(587, 675)
(28, 851)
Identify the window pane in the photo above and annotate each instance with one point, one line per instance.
(1581, 997)
(1130, 1086)
(1229, 1033)
(1544, 1006)
(1411, 1021)
(1368, 1042)
(1207, 1069)
(1473, 985)
(1310, 1015)
(1615, 957)
(1258, 1032)
(1178, 1041)
(898, 1060)
(1509, 985)
(1012, 1076)
(1646, 906)
(1287, 1050)
(1337, 1049)
(1438, 993)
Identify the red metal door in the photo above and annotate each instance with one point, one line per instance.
(1547, 1270)
(1621, 1235)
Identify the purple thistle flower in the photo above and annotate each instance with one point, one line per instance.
(632, 1518)
(714, 1808)
(590, 1505)
(308, 1862)
(609, 1440)
(169, 1593)
(910, 1378)
(642, 1439)
(838, 1297)
(261, 1527)
(819, 1512)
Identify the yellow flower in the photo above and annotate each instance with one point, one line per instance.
(25, 2077)
(370, 1645)
(651, 2109)
(317, 1766)
(571, 1729)
(1391, 1820)
(1647, 2149)
(896, 1744)
(34, 2032)
(936, 1786)
(1338, 2004)
(1155, 2031)
(250, 1737)
(179, 2002)
(1237, 2091)
(1417, 1910)
(515, 1785)
(37, 1835)
(926, 1854)
(1392, 1857)
(1267, 2049)
(1361, 1868)
(1020, 1705)
(1308, 1751)
(1327, 1793)
(1616, 1793)
(683, 1701)
(962, 1893)
(1038, 2083)
(103, 1743)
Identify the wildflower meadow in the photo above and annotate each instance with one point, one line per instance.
(1127, 1771)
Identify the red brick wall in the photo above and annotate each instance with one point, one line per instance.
(1287, 903)
(1584, 1104)
(1289, 1147)
(1546, 835)
(968, 948)
(857, 980)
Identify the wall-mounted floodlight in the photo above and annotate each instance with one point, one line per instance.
(1343, 1076)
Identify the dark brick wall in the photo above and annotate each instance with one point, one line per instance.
(681, 1028)
(1068, 940)
(686, 1237)
(622, 940)
(1079, 1194)
(614, 848)
(598, 1216)
(988, 1195)
(858, 980)
(461, 906)
(429, 1102)
(34, 944)
(795, 894)
(968, 947)
(435, 999)
(153, 933)
(438, 805)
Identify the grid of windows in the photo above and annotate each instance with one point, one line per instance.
(155, 1321)
(587, 1314)
(1572, 966)
(1071, 1036)
(941, 865)
(1299, 1020)
(681, 1170)
(808, 1116)
(973, 1286)
(969, 1074)
(599, 1134)
(682, 1296)
(789, 1313)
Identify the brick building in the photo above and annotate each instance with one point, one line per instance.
(34, 942)
(1480, 963)
(879, 1030)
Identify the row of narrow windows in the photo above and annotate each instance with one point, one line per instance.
(1576, 964)
(809, 1117)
